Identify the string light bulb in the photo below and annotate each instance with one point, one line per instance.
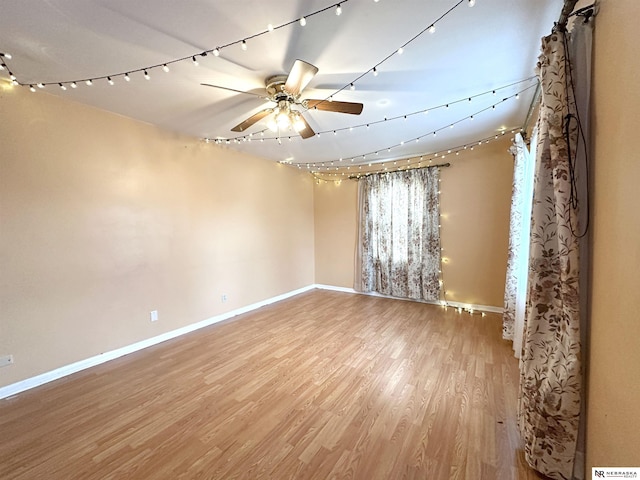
(375, 72)
(111, 82)
(195, 62)
(303, 21)
(432, 29)
(472, 3)
(338, 10)
(74, 85)
(243, 45)
(270, 28)
(89, 83)
(165, 68)
(400, 51)
(352, 87)
(216, 52)
(32, 88)
(127, 78)
(40, 85)
(146, 75)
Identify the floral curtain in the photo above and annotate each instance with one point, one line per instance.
(518, 259)
(550, 372)
(399, 237)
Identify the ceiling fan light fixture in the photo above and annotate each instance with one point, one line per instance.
(298, 123)
(283, 120)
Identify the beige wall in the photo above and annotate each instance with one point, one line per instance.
(475, 202)
(104, 219)
(613, 403)
(336, 215)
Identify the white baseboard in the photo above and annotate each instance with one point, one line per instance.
(66, 370)
(466, 306)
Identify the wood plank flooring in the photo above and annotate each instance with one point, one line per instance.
(324, 385)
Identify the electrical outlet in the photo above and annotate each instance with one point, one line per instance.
(154, 315)
(224, 297)
(6, 360)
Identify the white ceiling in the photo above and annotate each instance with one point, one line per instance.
(472, 51)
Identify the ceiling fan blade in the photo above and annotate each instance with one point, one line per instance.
(307, 131)
(234, 90)
(299, 77)
(241, 127)
(340, 107)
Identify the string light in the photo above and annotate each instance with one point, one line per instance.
(411, 162)
(303, 21)
(472, 3)
(194, 61)
(88, 83)
(111, 82)
(432, 29)
(63, 87)
(243, 43)
(165, 68)
(146, 75)
(375, 72)
(127, 78)
(433, 132)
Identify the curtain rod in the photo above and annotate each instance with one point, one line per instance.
(568, 7)
(355, 177)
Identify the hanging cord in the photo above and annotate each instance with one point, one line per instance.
(573, 196)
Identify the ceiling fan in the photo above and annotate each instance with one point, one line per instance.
(285, 91)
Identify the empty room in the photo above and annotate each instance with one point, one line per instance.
(366, 239)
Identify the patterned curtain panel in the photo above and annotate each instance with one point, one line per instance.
(515, 293)
(399, 234)
(550, 377)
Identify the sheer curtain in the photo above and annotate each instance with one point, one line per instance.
(398, 235)
(515, 294)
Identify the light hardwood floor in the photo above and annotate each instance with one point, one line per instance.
(322, 385)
